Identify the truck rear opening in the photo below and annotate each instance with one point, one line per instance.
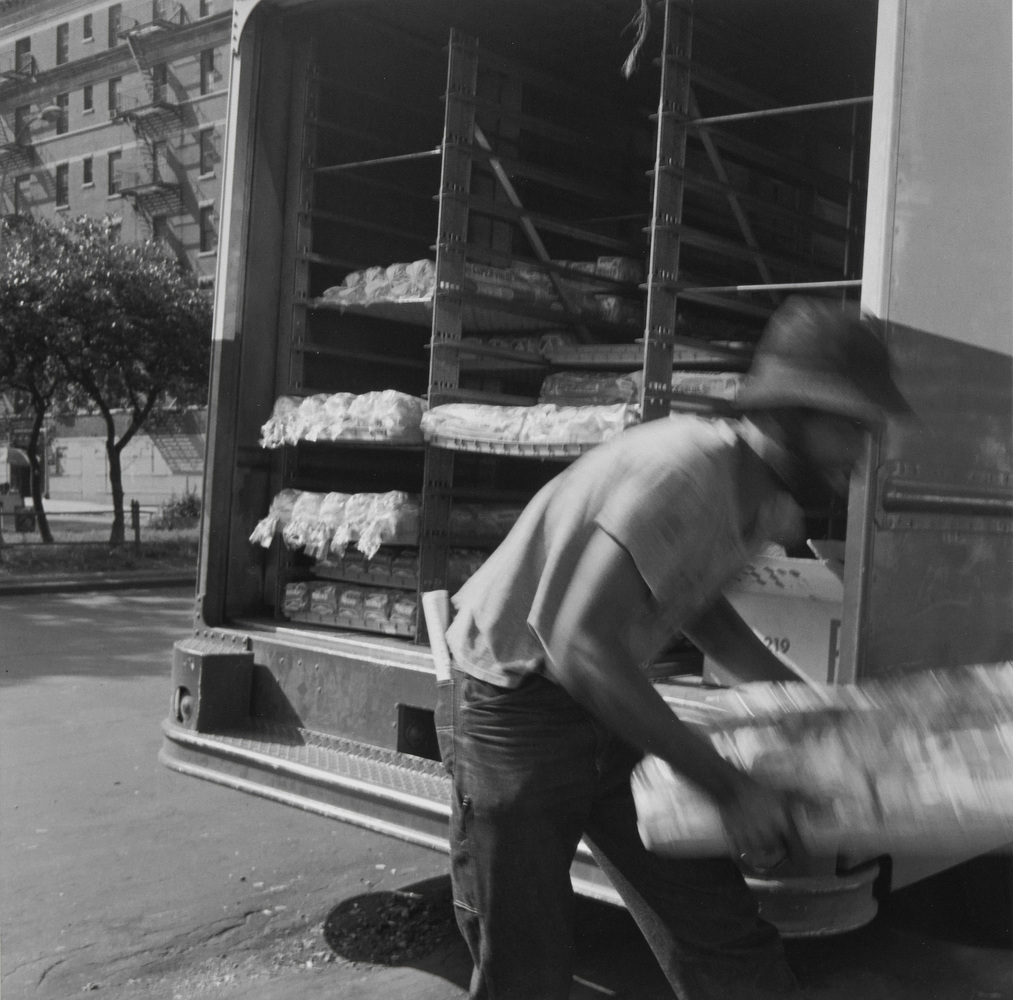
(429, 204)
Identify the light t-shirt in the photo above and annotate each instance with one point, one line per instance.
(667, 492)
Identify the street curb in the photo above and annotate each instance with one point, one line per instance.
(95, 581)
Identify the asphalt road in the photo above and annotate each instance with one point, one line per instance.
(121, 879)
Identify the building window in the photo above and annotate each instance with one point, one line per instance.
(160, 228)
(88, 97)
(63, 122)
(207, 71)
(23, 55)
(62, 43)
(114, 25)
(208, 236)
(22, 186)
(114, 95)
(62, 185)
(206, 9)
(87, 33)
(114, 172)
(206, 140)
(87, 172)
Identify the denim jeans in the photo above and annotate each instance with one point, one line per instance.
(533, 773)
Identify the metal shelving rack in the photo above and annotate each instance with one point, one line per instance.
(704, 200)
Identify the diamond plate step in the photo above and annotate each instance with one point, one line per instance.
(383, 790)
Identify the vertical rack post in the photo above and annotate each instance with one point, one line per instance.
(444, 367)
(666, 211)
(302, 224)
(297, 236)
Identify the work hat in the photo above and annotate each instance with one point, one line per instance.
(818, 356)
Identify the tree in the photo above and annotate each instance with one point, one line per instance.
(29, 328)
(141, 337)
(127, 330)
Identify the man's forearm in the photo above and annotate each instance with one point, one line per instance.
(626, 702)
(721, 634)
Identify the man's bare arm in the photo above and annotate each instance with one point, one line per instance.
(593, 662)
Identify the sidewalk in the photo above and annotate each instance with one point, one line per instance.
(97, 515)
(15, 585)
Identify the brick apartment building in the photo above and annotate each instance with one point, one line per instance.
(118, 109)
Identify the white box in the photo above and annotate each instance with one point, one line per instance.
(794, 605)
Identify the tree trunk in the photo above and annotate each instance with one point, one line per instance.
(118, 533)
(37, 469)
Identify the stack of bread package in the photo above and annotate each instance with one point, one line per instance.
(387, 414)
(323, 524)
(919, 763)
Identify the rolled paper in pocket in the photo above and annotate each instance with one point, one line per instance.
(436, 606)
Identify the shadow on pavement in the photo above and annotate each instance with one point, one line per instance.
(415, 927)
(921, 945)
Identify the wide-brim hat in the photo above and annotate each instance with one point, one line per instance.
(820, 356)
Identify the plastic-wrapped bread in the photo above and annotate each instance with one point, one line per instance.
(588, 388)
(383, 521)
(403, 611)
(388, 413)
(378, 567)
(546, 423)
(543, 423)
(404, 567)
(351, 603)
(323, 417)
(385, 284)
(919, 763)
(335, 419)
(324, 599)
(275, 432)
(277, 517)
(356, 516)
(399, 282)
(305, 515)
(475, 420)
(354, 565)
(376, 608)
(329, 518)
(422, 277)
(376, 285)
(350, 290)
(297, 596)
(309, 422)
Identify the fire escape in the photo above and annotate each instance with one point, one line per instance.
(17, 146)
(18, 66)
(152, 109)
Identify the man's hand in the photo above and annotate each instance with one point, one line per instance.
(758, 824)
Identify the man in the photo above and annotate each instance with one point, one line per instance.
(548, 709)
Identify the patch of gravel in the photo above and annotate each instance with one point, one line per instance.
(389, 928)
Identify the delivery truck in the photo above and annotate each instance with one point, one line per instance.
(462, 241)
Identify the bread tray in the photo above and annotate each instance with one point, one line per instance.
(518, 449)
